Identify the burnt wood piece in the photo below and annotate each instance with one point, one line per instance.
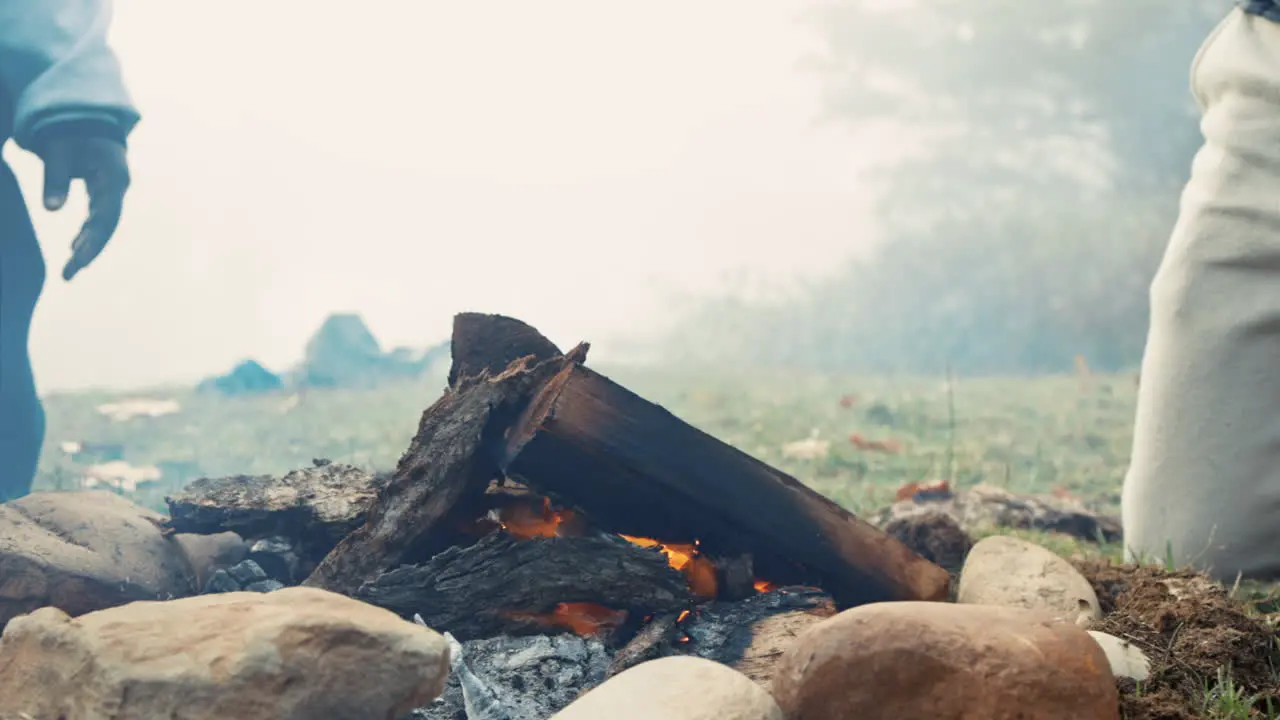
(492, 342)
(533, 677)
(636, 469)
(750, 636)
(438, 487)
(315, 507)
(496, 585)
(735, 577)
(650, 643)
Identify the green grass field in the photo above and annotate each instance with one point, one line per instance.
(1028, 435)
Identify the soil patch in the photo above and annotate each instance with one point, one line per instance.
(1194, 634)
(935, 536)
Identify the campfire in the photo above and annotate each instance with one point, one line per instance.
(538, 498)
(542, 518)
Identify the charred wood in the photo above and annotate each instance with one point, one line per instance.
(751, 635)
(637, 469)
(314, 508)
(489, 343)
(501, 585)
(437, 490)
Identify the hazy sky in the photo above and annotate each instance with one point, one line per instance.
(575, 163)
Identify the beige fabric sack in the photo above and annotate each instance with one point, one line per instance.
(1205, 475)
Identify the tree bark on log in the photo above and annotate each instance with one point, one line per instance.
(314, 507)
(491, 343)
(504, 585)
(438, 487)
(636, 469)
(439, 484)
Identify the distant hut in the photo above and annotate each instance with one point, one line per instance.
(247, 378)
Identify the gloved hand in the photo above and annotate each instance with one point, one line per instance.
(79, 151)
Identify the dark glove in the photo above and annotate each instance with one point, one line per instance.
(93, 152)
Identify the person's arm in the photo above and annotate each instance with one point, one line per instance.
(70, 107)
(59, 73)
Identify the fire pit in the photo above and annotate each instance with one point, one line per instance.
(562, 529)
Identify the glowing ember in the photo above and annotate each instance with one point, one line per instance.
(683, 614)
(701, 573)
(582, 618)
(524, 522)
(698, 570)
(764, 586)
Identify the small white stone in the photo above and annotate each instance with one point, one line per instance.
(1127, 660)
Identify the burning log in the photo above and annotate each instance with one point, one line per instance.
(749, 636)
(504, 585)
(652, 642)
(440, 481)
(636, 469)
(628, 465)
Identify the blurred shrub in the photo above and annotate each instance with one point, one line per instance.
(1024, 292)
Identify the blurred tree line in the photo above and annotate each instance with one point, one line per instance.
(1055, 140)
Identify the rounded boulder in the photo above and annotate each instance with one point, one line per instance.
(943, 661)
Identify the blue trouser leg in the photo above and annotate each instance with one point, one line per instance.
(22, 274)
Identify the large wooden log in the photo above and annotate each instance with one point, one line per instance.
(636, 469)
(504, 585)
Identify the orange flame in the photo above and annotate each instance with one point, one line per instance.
(525, 522)
(698, 570)
(580, 617)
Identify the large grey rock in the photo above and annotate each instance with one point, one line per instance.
(84, 551)
(295, 654)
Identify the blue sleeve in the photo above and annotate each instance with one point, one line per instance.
(56, 66)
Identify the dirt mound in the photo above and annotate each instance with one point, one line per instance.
(1207, 651)
(936, 537)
